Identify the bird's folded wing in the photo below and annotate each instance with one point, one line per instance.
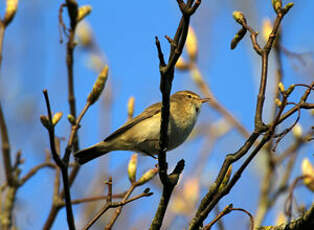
(147, 113)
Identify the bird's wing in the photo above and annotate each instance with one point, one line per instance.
(147, 113)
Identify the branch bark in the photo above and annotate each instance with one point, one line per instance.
(166, 78)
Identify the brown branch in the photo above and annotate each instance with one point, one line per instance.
(55, 208)
(76, 166)
(288, 203)
(108, 197)
(34, 170)
(264, 53)
(11, 175)
(220, 224)
(72, 12)
(115, 205)
(253, 36)
(69, 61)
(225, 211)
(109, 204)
(166, 194)
(301, 105)
(6, 149)
(266, 201)
(51, 132)
(284, 180)
(306, 221)
(7, 214)
(267, 182)
(95, 198)
(229, 208)
(160, 54)
(166, 78)
(237, 175)
(65, 162)
(292, 148)
(3, 128)
(62, 27)
(118, 210)
(72, 7)
(213, 196)
(74, 132)
(2, 31)
(61, 164)
(207, 199)
(248, 213)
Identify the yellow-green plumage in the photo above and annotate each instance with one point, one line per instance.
(141, 134)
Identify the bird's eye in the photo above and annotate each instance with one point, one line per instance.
(189, 96)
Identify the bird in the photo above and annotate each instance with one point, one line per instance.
(141, 133)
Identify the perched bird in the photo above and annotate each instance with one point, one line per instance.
(141, 134)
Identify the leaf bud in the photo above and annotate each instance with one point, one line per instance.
(239, 17)
(83, 11)
(10, 11)
(56, 118)
(191, 44)
(98, 86)
(308, 171)
(132, 168)
(147, 176)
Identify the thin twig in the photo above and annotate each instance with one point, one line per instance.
(51, 132)
(95, 198)
(293, 147)
(225, 211)
(229, 208)
(248, 213)
(109, 205)
(288, 203)
(5, 149)
(3, 128)
(34, 170)
(213, 196)
(62, 165)
(2, 31)
(166, 78)
(306, 221)
(220, 223)
(118, 210)
(74, 132)
(10, 175)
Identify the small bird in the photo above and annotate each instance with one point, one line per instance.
(141, 134)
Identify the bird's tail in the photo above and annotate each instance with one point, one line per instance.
(85, 155)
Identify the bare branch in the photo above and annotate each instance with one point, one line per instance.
(5, 149)
(227, 210)
(61, 164)
(109, 205)
(306, 221)
(34, 170)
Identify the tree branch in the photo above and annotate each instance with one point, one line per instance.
(213, 196)
(166, 78)
(34, 170)
(109, 204)
(61, 164)
(302, 223)
(229, 208)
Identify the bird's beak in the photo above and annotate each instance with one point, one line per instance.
(203, 100)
